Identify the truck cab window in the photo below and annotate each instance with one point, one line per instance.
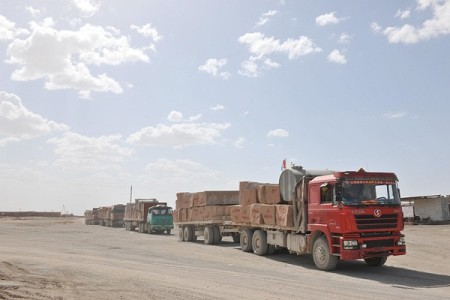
(326, 193)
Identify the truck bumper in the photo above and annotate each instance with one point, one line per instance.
(367, 248)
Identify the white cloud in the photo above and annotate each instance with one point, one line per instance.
(394, 115)
(190, 176)
(249, 68)
(217, 107)
(403, 14)
(62, 58)
(88, 8)
(278, 133)
(344, 38)
(336, 56)
(438, 25)
(178, 135)
(327, 19)
(175, 116)
(260, 46)
(265, 17)
(78, 152)
(376, 28)
(8, 30)
(214, 66)
(148, 30)
(34, 12)
(17, 122)
(239, 143)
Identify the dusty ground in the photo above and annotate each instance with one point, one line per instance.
(61, 258)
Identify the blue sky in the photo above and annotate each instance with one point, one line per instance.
(172, 96)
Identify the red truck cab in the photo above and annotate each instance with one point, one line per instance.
(359, 213)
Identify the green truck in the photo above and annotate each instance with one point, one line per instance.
(148, 216)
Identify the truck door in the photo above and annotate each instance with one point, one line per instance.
(327, 210)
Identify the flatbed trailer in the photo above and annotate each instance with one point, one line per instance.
(212, 231)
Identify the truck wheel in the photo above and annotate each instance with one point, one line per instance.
(168, 231)
(181, 234)
(259, 242)
(321, 255)
(217, 235)
(376, 261)
(246, 240)
(236, 238)
(188, 234)
(208, 235)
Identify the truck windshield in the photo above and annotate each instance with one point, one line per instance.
(367, 193)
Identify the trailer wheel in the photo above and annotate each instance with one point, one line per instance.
(259, 242)
(181, 234)
(188, 234)
(208, 235)
(376, 261)
(236, 238)
(217, 235)
(246, 240)
(323, 259)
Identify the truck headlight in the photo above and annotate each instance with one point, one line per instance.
(401, 241)
(350, 244)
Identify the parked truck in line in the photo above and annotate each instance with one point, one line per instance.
(331, 215)
(148, 216)
(91, 217)
(111, 216)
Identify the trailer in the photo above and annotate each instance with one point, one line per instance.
(91, 217)
(212, 231)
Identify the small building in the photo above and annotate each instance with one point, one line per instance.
(435, 208)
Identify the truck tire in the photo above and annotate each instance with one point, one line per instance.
(323, 259)
(168, 231)
(217, 235)
(181, 234)
(246, 240)
(376, 261)
(208, 235)
(259, 242)
(188, 234)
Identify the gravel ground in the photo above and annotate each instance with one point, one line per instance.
(61, 258)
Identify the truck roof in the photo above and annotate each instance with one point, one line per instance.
(361, 174)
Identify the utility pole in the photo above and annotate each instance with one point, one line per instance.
(131, 193)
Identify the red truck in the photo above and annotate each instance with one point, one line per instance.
(331, 215)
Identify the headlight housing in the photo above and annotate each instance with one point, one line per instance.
(350, 244)
(401, 241)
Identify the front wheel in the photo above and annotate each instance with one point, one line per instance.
(323, 259)
(376, 261)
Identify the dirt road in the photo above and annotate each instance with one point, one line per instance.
(61, 258)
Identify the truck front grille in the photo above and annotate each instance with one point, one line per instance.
(379, 243)
(367, 222)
